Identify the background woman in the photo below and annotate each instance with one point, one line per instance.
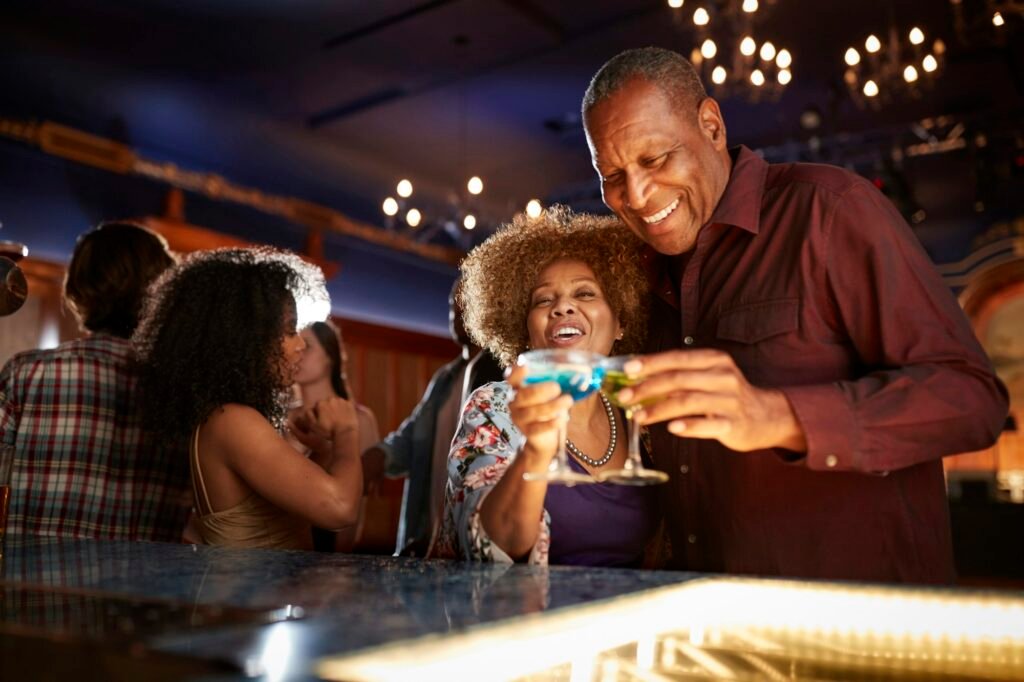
(218, 348)
(321, 375)
(558, 281)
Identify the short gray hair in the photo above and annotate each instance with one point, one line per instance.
(665, 69)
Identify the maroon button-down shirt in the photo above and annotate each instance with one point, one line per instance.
(812, 281)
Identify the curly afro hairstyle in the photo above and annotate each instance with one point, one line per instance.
(211, 334)
(498, 276)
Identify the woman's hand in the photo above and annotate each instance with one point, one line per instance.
(328, 420)
(536, 411)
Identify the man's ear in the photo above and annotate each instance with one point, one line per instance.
(711, 123)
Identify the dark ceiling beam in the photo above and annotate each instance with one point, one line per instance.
(539, 16)
(390, 94)
(385, 23)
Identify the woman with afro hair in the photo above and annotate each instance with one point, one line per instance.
(561, 280)
(218, 348)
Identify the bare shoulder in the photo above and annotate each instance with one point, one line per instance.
(233, 422)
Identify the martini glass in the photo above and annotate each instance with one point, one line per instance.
(579, 374)
(633, 471)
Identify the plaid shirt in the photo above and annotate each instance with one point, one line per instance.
(83, 467)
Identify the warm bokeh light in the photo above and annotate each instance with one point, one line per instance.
(852, 57)
(768, 52)
(785, 75)
(997, 19)
(872, 44)
(708, 49)
(748, 46)
(469, 222)
(749, 6)
(413, 217)
(916, 36)
(719, 75)
(475, 185)
(910, 74)
(390, 206)
(938, 47)
(404, 189)
(675, 4)
(871, 88)
(757, 78)
(533, 208)
(784, 59)
(930, 63)
(701, 17)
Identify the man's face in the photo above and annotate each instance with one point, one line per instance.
(663, 167)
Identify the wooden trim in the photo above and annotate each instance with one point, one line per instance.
(400, 340)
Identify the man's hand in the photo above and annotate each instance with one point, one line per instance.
(705, 395)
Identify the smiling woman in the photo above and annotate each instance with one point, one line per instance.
(559, 281)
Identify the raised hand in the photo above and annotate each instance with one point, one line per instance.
(536, 411)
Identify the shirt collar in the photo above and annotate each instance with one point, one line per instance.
(740, 204)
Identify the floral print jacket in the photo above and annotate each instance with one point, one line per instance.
(485, 445)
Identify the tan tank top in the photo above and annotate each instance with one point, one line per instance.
(253, 522)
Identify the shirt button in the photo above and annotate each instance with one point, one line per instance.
(683, 469)
(831, 461)
(691, 538)
(688, 340)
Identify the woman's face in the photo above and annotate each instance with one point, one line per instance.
(314, 365)
(292, 346)
(568, 310)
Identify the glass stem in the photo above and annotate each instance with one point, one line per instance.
(561, 461)
(633, 461)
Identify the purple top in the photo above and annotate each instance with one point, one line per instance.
(603, 524)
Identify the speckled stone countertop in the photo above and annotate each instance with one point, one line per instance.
(348, 602)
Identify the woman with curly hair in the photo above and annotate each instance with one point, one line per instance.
(562, 280)
(218, 348)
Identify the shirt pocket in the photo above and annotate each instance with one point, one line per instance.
(754, 322)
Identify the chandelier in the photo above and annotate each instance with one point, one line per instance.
(902, 67)
(729, 55)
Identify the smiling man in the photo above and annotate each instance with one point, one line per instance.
(810, 367)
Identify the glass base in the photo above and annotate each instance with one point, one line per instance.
(633, 477)
(569, 478)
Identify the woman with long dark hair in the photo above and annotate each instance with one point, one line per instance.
(218, 348)
(321, 374)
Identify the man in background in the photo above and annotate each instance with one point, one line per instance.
(82, 465)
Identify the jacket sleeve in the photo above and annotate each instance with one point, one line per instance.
(399, 446)
(927, 387)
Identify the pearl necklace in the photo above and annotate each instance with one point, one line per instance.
(611, 441)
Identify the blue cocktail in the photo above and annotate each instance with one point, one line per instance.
(578, 373)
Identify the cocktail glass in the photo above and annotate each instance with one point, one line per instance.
(579, 374)
(633, 471)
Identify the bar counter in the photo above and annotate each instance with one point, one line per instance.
(114, 610)
(157, 607)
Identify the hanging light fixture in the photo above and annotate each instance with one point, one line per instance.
(731, 54)
(901, 67)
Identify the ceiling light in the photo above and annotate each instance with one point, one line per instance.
(910, 74)
(871, 88)
(929, 63)
(708, 49)
(748, 46)
(997, 19)
(533, 208)
(404, 189)
(852, 57)
(675, 4)
(390, 206)
(768, 52)
(784, 59)
(719, 75)
(475, 185)
(749, 6)
(916, 36)
(785, 76)
(872, 44)
(413, 217)
(469, 222)
(757, 77)
(701, 17)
